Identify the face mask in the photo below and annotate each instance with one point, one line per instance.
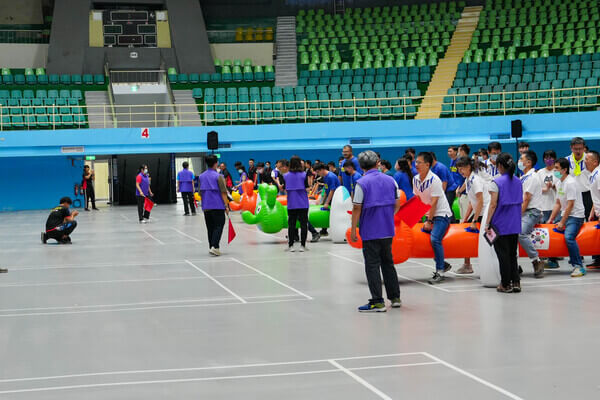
(218, 169)
(549, 162)
(240, 171)
(521, 165)
(480, 159)
(557, 174)
(260, 171)
(493, 157)
(146, 171)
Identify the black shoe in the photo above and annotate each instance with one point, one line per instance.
(516, 287)
(436, 278)
(504, 289)
(447, 267)
(86, 209)
(3, 270)
(193, 213)
(324, 233)
(315, 238)
(520, 270)
(95, 208)
(186, 214)
(594, 265)
(44, 237)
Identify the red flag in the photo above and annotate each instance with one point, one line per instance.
(412, 211)
(148, 204)
(231, 232)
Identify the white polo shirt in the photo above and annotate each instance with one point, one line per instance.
(431, 187)
(491, 169)
(476, 184)
(568, 190)
(582, 179)
(595, 189)
(531, 184)
(548, 198)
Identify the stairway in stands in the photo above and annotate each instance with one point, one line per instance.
(98, 109)
(445, 72)
(185, 106)
(286, 68)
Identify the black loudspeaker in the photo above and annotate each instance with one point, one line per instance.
(212, 140)
(516, 129)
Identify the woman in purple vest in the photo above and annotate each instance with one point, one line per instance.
(374, 204)
(504, 215)
(297, 197)
(142, 190)
(214, 203)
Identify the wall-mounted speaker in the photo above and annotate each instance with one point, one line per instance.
(516, 129)
(212, 140)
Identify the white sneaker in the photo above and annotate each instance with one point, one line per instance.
(215, 251)
(302, 249)
(294, 248)
(143, 221)
(578, 271)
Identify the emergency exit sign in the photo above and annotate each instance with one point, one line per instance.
(90, 158)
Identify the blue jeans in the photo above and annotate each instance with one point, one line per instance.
(440, 226)
(572, 229)
(547, 214)
(529, 219)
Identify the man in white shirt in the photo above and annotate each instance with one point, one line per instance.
(592, 162)
(429, 188)
(548, 182)
(494, 150)
(531, 213)
(578, 171)
(569, 203)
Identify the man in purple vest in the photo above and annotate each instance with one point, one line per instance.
(375, 202)
(214, 203)
(185, 185)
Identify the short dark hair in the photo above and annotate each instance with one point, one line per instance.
(494, 146)
(426, 156)
(86, 166)
(433, 155)
(284, 163)
(319, 166)
(465, 148)
(595, 154)
(523, 144)
(332, 163)
(564, 164)
(237, 164)
(252, 159)
(531, 156)
(348, 163)
(186, 164)
(466, 162)
(211, 160)
(410, 150)
(260, 164)
(296, 164)
(347, 147)
(142, 167)
(455, 148)
(66, 199)
(483, 151)
(577, 140)
(386, 164)
(549, 154)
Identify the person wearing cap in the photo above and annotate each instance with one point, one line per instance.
(376, 200)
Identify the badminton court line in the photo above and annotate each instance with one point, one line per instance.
(412, 260)
(152, 237)
(360, 380)
(401, 276)
(474, 377)
(186, 235)
(110, 265)
(271, 278)
(231, 292)
(219, 367)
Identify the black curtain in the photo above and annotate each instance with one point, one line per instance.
(161, 181)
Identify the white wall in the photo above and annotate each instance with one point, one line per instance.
(259, 53)
(21, 12)
(17, 55)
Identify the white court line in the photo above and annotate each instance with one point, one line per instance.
(271, 278)
(339, 369)
(148, 308)
(360, 380)
(412, 260)
(179, 278)
(193, 369)
(550, 285)
(474, 377)
(401, 276)
(186, 235)
(146, 232)
(125, 217)
(231, 292)
(103, 265)
(271, 235)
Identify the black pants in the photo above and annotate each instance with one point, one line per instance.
(506, 250)
(142, 213)
(215, 221)
(450, 196)
(62, 230)
(378, 257)
(90, 195)
(188, 202)
(299, 214)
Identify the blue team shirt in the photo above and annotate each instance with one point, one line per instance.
(186, 181)
(404, 184)
(347, 180)
(444, 174)
(331, 182)
(456, 176)
(354, 179)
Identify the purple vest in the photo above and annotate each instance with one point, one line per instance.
(296, 192)
(144, 185)
(210, 191)
(377, 216)
(186, 180)
(507, 218)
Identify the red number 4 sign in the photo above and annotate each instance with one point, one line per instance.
(145, 133)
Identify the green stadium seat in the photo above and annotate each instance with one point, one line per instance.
(65, 79)
(88, 79)
(76, 79)
(205, 77)
(99, 79)
(194, 78)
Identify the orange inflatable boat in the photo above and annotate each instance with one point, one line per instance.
(461, 242)
(248, 200)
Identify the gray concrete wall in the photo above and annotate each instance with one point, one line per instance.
(21, 12)
(69, 37)
(17, 55)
